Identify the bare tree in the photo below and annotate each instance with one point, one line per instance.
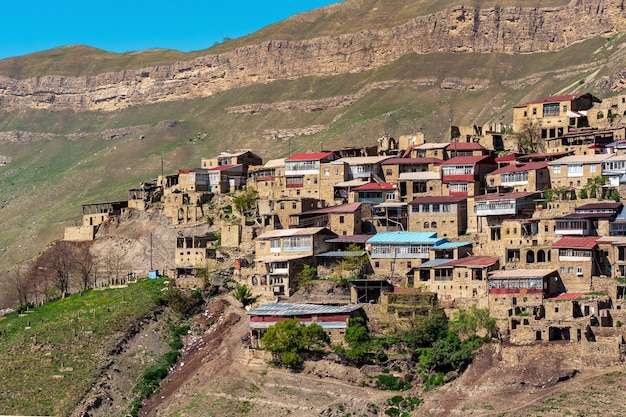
(59, 262)
(529, 138)
(20, 284)
(115, 264)
(84, 263)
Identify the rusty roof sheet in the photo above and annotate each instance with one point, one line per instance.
(579, 242)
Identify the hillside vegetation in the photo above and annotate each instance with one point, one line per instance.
(53, 353)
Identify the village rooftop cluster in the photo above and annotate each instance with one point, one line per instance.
(525, 220)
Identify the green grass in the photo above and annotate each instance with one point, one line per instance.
(49, 365)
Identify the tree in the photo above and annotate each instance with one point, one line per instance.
(243, 294)
(58, 261)
(290, 338)
(84, 264)
(245, 202)
(20, 284)
(424, 334)
(467, 323)
(529, 139)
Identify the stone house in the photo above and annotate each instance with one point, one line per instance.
(344, 219)
(302, 174)
(555, 115)
(332, 318)
(281, 254)
(452, 279)
(515, 290)
(194, 252)
(447, 215)
(415, 176)
(487, 212)
(226, 178)
(335, 183)
(267, 180)
(574, 171)
(193, 180)
(465, 175)
(455, 149)
(585, 142)
(428, 150)
(579, 259)
(592, 219)
(394, 254)
(532, 176)
(276, 213)
(614, 168)
(377, 192)
(95, 214)
(244, 158)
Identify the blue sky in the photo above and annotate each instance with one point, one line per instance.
(132, 25)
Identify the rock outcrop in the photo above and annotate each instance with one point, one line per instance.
(460, 29)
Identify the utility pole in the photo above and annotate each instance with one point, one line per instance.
(151, 269)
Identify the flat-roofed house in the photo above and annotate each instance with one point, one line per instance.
(344, 219)
(302, 173)
(268, 179)
(446, 215)
(579, 259)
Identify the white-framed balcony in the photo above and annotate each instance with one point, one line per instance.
(566, 227)
(575, 255)
(499, 208)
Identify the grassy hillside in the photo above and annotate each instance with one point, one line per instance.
(52, 354)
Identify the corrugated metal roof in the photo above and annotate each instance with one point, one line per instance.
(434, 262)
(551, 99)
(608, 205)
(465, 146)
(451, 245)
(340, 254)
(579, 242)
(363, 160)
(275, 163)
(342, 208)
(470, 160)
(405, 237)
(350, 239)
(521, 273)
(425, 175)
(507, 196)
(306, 231)
(477, 261)
(293, 309)
(375, 186)
(225, 168)
(512, 168)
(323, 324)
(352, 183)
(432, 145)
(412, 161)
(315, 156)
(285, 258)
(451, 199)
(580, 159)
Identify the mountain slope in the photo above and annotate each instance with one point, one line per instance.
(316, 89)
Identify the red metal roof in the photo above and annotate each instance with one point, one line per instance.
(374, 186)
(569, 296)
(551, 99)
(186, 171)
(438, 199)
(476, 261)
(342, 208)
(507, 158)
(512, 168)
(609, 205)
(580, 242)
(544, 156)
(507, 196)
(412, 161)
(465, 146)
(315, 156)
(470, 160)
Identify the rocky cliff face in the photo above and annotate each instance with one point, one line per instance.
(461, 29)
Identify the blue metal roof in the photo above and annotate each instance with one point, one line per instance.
(434, 262)
(621, 215)
(406, 237)
(451, 245)
(291, 309)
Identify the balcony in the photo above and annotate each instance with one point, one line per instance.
(496, 209)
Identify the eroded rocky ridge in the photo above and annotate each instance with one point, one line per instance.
(461, 29)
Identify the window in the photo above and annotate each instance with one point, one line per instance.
(376, 264)
(275, 245)
(282, 206)
(341, 219)
(433, 225)
(534, 111)
(326, 172)
(388, 172)
(425, 208)
(294, 205)
(592, 168)
(426, 225)
(262, 245)
(564, 109)
(415, 208)
(570, 270)
(408, 264)
(336, 171)
(575, 170)
(458, 188)
(562, 270)
(556, 169)
(390, 196)
(579, 271)
(435, 208)
(446, 208)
